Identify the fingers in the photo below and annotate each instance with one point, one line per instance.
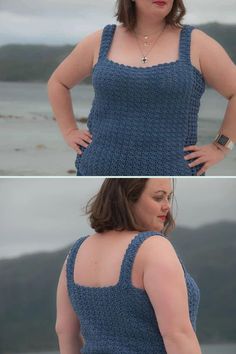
(76, 148)
(199, 157)
(203, 169)
(87, 132)
(83, 140)
(78, 139)
(81, 143)
(84, 136)
(77, 144)
(87, 139)
(192, 148)
(193, 155)
(197, 162)
(87, 136)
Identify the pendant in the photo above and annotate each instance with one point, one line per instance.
(144, 60)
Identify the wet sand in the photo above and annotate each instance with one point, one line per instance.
(33, 146)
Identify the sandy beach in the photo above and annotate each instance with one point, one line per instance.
(33, 146)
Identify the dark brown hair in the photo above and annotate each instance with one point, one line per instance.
(111, 207)
(126, 13)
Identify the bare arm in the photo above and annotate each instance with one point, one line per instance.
(76, 66)
(219, 71)
(165, 285)
(67, 323)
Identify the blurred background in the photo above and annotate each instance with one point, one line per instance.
(41, 218)
(35, 37)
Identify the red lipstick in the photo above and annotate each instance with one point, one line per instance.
(159, 3)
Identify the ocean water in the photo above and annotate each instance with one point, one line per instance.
(31, 142)
(29, 99)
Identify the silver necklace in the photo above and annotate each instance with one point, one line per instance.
(144, 58)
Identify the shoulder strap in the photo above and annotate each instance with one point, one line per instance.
(70, 261)
(127, 264)
(107, 36)
(185, 44)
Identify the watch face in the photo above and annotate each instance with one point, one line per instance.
(222, 140)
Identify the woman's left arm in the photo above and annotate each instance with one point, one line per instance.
(67, 323)
(219, 72)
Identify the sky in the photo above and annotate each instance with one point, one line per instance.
(46, 214)
(67, 21)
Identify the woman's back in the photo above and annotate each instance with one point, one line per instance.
(107, 294)
(99, 260)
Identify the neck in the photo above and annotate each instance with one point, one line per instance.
(146, 25)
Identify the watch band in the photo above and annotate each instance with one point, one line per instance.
(224, 140)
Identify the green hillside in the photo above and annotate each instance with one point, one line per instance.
(37, 62)
(28, 288)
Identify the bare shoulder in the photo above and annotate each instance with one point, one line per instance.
(211, 51)
(156, 249)
(79, 63)
(96, 35)
(156, 241)
(93, 39)
(202, 40)
(160, 263)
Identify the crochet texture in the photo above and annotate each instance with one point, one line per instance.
(141, 118)
(120, 318)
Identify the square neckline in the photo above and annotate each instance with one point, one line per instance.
(130, 285)
(114, 28)
(118, 284)
(147, 68)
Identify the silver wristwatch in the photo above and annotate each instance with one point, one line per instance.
(225, 141)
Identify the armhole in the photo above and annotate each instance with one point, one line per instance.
(98, 49)
(182, 263)
(191, 52)
(104, 43)
(70, 260)
(130, 256)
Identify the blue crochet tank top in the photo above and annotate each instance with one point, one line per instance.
(120, 318)
(142, 117)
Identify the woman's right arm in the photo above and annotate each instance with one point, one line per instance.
(67, 322)
(74, 68)
(165, 285)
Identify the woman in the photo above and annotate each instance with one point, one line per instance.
(123, 289)
(149, 75)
